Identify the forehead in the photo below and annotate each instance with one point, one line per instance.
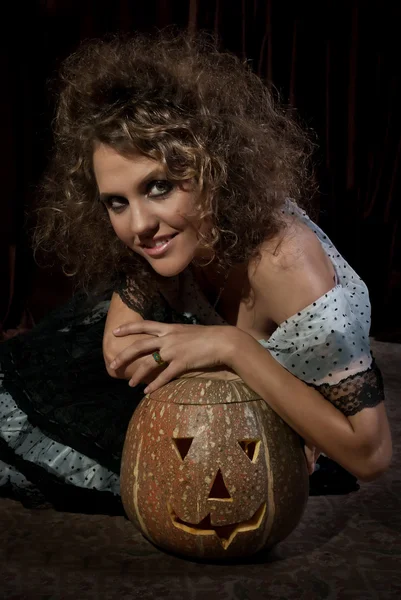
(109, 165)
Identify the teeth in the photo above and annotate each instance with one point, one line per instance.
(159, 242)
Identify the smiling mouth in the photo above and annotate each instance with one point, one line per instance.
(159, 243)
(225, 533)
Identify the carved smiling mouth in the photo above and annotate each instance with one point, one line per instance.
(225, 533)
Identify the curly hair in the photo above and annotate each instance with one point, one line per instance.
(175, 98)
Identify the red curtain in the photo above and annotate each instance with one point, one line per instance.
(335, 61)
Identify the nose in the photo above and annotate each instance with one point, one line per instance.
(144, 222)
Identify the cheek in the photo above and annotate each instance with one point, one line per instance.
(119, 224)
(188, 240)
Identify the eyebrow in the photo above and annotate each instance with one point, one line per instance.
(158, 172)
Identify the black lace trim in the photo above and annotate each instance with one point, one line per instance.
(156, 309)
(125, 290)
(356, 392)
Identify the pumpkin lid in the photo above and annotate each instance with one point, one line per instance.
(204, 390)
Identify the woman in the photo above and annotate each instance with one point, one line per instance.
(176, 184)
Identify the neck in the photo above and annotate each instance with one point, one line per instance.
(209, 274)
(215, 284)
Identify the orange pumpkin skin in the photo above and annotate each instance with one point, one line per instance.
(209, 470)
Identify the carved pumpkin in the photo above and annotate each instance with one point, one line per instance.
(209, 470)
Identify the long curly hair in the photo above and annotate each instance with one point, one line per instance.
(203, 113)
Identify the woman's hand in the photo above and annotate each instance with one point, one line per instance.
(311, 454)
(182, 347)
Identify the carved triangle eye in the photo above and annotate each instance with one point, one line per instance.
(251, 448)
(182, 446)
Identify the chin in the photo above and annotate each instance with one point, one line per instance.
(174, 262)
(168, 267)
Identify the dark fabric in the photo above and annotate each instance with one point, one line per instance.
(57, 376)
(331, 479)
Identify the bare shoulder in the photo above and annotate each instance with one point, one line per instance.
(291, 272)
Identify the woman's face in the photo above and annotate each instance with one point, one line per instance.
(153, 216)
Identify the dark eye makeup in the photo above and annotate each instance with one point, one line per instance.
(157, 188)
(162, 187)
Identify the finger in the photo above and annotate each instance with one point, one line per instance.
(309, 456)
(171, 372)
(150, 327)
(309, 466)
(134, 351)
(146, 372)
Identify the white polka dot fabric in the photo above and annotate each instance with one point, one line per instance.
(328, 340)
(9, 475)
(319, 347)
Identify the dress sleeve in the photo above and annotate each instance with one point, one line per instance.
(155, 308)
(125, 290)
(327, 346)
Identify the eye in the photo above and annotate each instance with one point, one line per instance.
(159, 187)
(116, 204)
(251, 448)
(182, 446)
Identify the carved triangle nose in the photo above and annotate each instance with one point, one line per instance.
(219, 490)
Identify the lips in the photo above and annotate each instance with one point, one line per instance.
(160, 245)
(159, 241)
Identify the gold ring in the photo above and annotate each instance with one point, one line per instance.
(158, 359)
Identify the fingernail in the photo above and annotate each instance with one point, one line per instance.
(116, 330)
(112, 364)
(146, 390)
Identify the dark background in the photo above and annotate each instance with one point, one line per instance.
(336, 61)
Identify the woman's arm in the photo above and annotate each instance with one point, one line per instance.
(284, 283)
(360, 443)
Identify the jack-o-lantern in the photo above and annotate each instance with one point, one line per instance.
(209, 470)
